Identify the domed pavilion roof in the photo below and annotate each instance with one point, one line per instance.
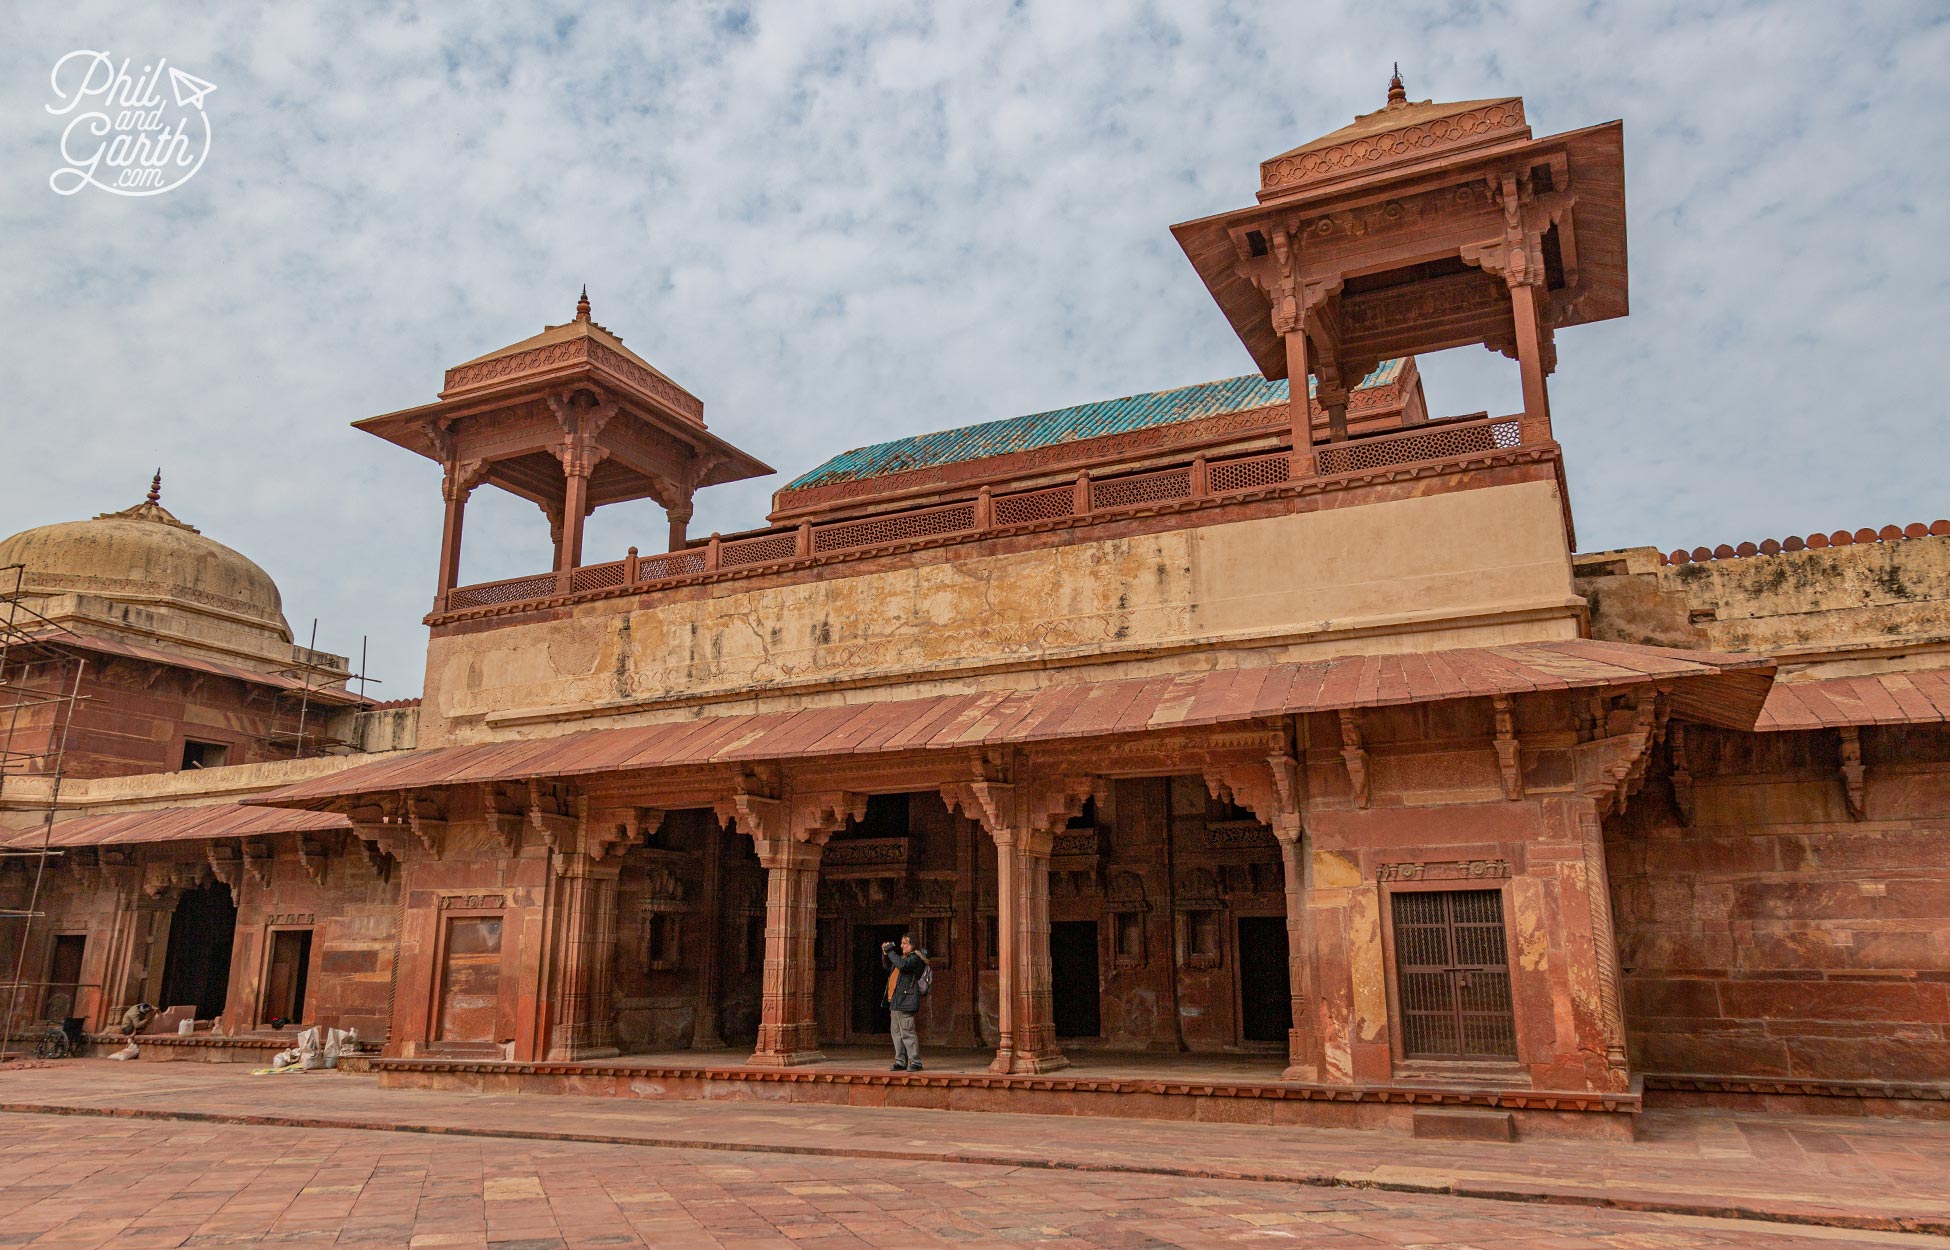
(145, 556)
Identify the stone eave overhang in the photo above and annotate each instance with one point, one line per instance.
(409, 427)
(1713, 688)
(202, 822)
(283, 682)
(1596, 159)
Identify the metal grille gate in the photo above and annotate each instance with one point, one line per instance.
(1453, 976)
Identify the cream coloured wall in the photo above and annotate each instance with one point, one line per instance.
(1464, 568)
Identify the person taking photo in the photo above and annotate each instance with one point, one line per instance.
(906, 971)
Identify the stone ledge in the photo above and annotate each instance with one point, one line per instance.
(1795, 1087)
(1627, 1103)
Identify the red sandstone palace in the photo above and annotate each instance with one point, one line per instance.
(1261, 748)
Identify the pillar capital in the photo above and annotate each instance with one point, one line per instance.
(1024, 810)
(777, 824)
(1271, 788)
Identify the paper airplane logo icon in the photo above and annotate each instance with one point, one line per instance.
(189, 89)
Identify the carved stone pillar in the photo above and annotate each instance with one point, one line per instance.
(1273, 790)
(575, 507)
(710, 920)
(1604, 941)
(1025, 954)
(1302, 1063)
(1609, 771)
(1299, 405)
(787, 1032)
(582, 419)
(1333, 400)
(581, 1016)
(456, 499)
(790, 836)
(1022, 820)
(1530, 359)
(678, 512)
(457, 482)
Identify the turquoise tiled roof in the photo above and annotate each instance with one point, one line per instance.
(1062, 425)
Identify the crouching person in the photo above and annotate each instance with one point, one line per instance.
(908, 978)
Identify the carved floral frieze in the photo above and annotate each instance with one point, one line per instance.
(1373, 151)
(1443, 870)
(472, 902)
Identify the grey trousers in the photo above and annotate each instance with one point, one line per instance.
(907, 1043)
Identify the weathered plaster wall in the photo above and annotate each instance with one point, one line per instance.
(1467, 567)
(1773, 935)
(1881, 595)
(1437, 808)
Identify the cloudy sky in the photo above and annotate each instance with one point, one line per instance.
(849, 221)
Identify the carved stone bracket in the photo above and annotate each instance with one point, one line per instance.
(1854, 776)
(1270, 789)
(1682, 773)
(810, 819)
(226, 864)
(619, 828)
(311, 855)
(1355, 753)
(257, 860)
(402, 819)
(1034, 806)
(1509, 752)
(371, 854)
(503, 820)
(84, 864)
(1610, 770)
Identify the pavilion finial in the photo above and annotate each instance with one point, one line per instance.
(155, 488)
(1397, 94)
(582, 305)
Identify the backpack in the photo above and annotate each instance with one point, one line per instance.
(926, 982)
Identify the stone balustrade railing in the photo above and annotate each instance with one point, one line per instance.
(1091, 497)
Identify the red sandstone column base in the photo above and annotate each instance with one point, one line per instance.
(1047, 1061)
(576, 1054)
(784, 1059)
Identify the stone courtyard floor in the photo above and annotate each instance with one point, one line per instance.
(94, 1153)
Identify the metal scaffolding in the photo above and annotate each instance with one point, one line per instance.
(40, 687)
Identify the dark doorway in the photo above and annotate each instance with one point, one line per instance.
(64, 976)
(1452, 974)
(1265, 998)
(869, 978)
(1074, 980)
(284, 979)
(196, 969)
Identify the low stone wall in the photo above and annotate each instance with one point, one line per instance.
(1390, 1109)
(191, 1048)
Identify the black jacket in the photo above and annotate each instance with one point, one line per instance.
(907, 986)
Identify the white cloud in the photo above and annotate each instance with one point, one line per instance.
(844, 222)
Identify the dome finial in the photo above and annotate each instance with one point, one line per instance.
(1397, 94)
(155, 488)
(582, 305)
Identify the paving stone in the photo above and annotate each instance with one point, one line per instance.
(721, 1180)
